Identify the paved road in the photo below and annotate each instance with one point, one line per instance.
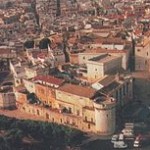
(142, 86)
(107, 145)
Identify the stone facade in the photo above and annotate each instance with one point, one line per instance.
(45, 94)
(76, 110)
(97, 69)
(142, 55)
(7, 99)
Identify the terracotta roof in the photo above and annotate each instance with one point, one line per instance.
(114, 41)
(72, 40)
(49, 79)
(78, 90)
(103, 50)
(5, 51)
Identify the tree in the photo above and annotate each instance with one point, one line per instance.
(49, 135)
(4, 144)
(29, 44)
(14, 137)
(43, 44)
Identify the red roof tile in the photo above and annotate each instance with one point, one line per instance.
(78, 90)
(5, 51)
(49, 79)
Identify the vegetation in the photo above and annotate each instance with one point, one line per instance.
(43, 44)
(44, 135)
(29, 44)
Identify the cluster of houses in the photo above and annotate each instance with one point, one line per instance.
(78, 73)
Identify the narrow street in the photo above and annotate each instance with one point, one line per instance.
(141, 89)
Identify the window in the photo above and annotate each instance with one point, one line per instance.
(88, 126)
(147, 53)
(38, 112)
(96, 69)
(78, 112)
(85, 118)
(70, 110)
(91, 119)
(138, 50)
(83, 57)
(47, 116)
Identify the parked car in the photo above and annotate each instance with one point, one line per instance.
(117, 137)
(121, 137)
(114, 138)
(141, 140)
(128, 133)
(120, 144)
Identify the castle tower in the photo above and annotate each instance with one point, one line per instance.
(105, 117)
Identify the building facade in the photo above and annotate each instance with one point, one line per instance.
(142, 54)
(7, 98)
(100, 66)
(82, 110)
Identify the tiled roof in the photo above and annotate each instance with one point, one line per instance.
(49, 79)
(78, 90)
(5, 51)
(103, 50)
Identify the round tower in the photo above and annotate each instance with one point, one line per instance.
(105, 117)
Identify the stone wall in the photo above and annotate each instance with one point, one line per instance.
(56, 116)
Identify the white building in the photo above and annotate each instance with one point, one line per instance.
(102, 65)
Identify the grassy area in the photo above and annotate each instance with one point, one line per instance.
(35, 135)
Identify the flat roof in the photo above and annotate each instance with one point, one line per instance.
(103, 58)
(110, 87)
(107, 80)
